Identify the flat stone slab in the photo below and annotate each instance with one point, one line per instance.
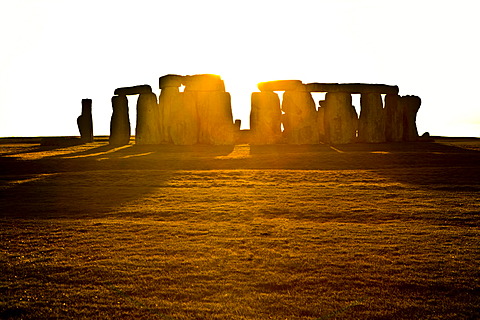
(126, 91)
(281, 85)
(352, 88)
(170, 80)
(203, 82)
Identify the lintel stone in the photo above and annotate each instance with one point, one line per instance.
(352, 88)
(126, 91)
(281, 85)
(170, 80)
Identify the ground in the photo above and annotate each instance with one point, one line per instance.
(362, 231)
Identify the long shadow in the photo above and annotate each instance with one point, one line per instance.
(146, 151)
(72, 195)
(41, 147)
(86, 153)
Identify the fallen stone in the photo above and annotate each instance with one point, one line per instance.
(351, 88)
(265, 118)
(126, 91)
(85, 122)
(120, 122)
(281, 85)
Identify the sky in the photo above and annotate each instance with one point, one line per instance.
(54, 53)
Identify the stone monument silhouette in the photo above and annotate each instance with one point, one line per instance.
(202, 113)
(85, 122)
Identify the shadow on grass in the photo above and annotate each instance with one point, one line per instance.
(71, 195)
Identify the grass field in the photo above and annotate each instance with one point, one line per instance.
(364, 231)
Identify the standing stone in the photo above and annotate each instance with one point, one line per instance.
(265, 118)
(300, 126)
(215, 118)
(321, 121)
(183, 120)
(167, 102)
(393, 118)
(85, 122)
(146, 130)
(371, 126)
(340, 118)
(410, 106)
(120, 122)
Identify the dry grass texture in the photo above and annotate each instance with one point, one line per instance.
(355, 232)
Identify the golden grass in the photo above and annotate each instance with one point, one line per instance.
(213, 233)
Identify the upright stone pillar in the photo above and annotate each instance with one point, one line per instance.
(340, 118)
(371, 127)
(85, 122)
(265, 118)
(214, 110)
(215, 117)
(169, 95)
(167, 103)
(146, 130)
(410, 106)
(183, 119)
(393, 118)
(321, 121)
(120, 122)
(300, 126)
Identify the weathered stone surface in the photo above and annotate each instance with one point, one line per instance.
(215, 118)
(340, 119)
(393, 118)
(321, 122)
(300, 119)
(120, 122)
(281, 85)
(146, 130)
(265, 118)
(371, 126)
(168, 101)
(351, 88)
(410, 106)
(85, 122)
(126, 91)
(203, 82)
(183, 119)
(170, 80)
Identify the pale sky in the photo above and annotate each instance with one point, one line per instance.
(54, 53)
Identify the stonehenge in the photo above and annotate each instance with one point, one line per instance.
(196, 109)
(85, 122)
(201, 113)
